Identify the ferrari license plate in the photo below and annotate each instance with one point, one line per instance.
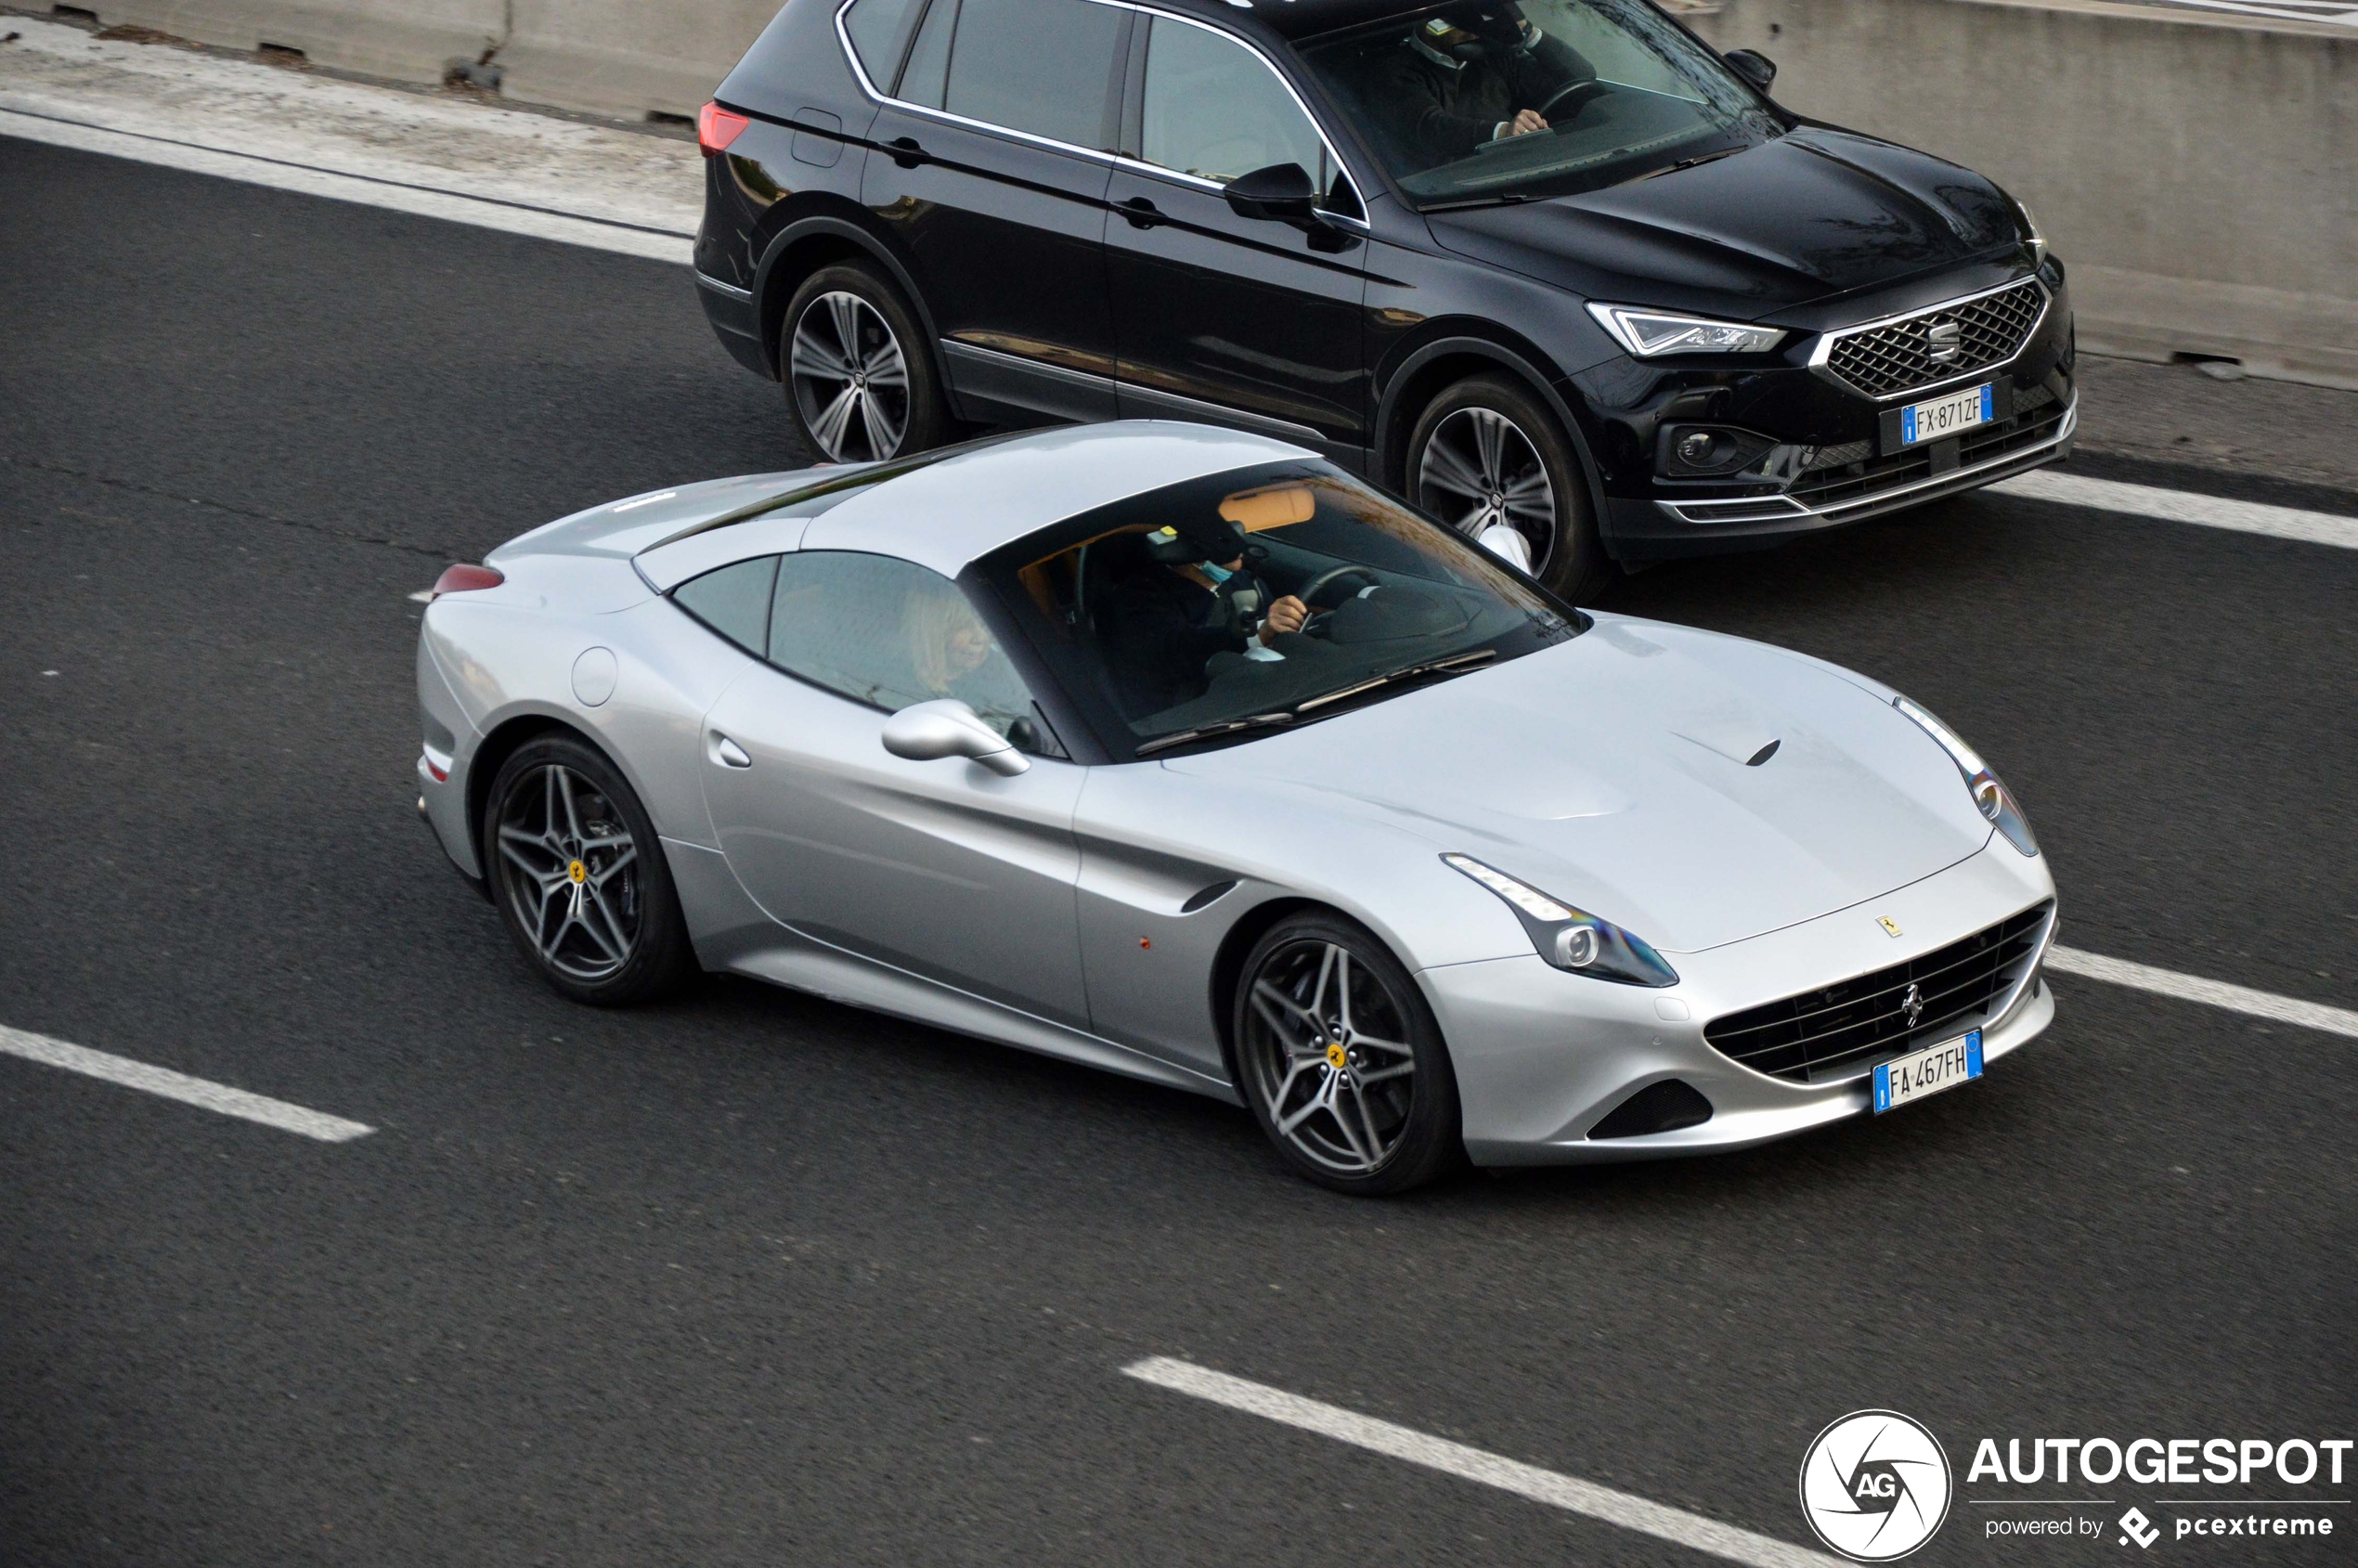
(1946, 416)
(1927, 1071)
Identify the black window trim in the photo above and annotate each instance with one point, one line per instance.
(1096, 154)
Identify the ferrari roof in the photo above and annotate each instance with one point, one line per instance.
(947, 513)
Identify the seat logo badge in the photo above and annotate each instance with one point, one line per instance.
(1890, 926)
(1912, 1003)
(1875, 1485)
(1944, 342)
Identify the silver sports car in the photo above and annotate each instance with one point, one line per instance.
(1187, 754)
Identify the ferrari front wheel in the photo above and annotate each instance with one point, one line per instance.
(1342, 1062)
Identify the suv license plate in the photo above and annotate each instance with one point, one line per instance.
(1946, 416)
(1928, 1071)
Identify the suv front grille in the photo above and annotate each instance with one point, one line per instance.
(1897, 356)
(1805, 1037)
(2036, 420)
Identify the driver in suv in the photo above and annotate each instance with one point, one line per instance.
(1479, 73)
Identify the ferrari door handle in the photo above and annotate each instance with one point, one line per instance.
(905, 151)
(727, 753)
(1142, 212)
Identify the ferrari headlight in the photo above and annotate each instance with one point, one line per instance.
(1646, 333)
(1568, 938)
(1990, 796)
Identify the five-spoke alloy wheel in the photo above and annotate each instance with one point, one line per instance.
(575, 870)
(1343, 1061)
(860, 388)
(1486, 453)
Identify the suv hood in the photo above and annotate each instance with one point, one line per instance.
(1611, 772)
(1815, 214)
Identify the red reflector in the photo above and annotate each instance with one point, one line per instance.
(716, 128)
(466, 579)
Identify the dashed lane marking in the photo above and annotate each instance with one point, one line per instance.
(218, 1097)
(2210, 993)
(1583, 1497)
(2182, 506)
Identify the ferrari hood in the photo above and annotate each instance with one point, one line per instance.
(1694, 788)
(1815, 214)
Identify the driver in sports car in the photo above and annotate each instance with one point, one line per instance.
(1477, 73)
(1196, 600)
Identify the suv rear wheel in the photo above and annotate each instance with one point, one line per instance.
(858, 380)
(1486, 453)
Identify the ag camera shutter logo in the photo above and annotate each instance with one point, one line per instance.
(1875, 1485)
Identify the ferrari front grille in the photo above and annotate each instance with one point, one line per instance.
(1925, 999)
(1898, 356)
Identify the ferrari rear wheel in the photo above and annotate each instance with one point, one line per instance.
(1343, 1061)
(579, 877)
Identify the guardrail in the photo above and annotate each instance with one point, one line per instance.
(2194, 169)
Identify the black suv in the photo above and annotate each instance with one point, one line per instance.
(1556, 266)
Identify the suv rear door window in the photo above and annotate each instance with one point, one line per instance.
(875, 29)
(1043, 66)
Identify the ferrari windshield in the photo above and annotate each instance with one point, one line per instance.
(1484, 100)
(1258, 599)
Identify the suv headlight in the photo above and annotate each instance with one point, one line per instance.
(1568, 938)
(1650, 333)
(1993, 797)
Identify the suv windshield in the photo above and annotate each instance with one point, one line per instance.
(1489, 101)
(1258, 599)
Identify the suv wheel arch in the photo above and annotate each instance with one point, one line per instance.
(802, 248)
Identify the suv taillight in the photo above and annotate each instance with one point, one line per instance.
(716, 128)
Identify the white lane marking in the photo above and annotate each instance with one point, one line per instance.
(1583, 1497)
(304, 179)
(2211, 994)
(2182, 506)
(180, 1087)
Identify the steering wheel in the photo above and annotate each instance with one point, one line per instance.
(1315, 625)
(1580, 92)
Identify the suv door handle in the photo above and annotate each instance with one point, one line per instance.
(905, 151)
(726, 752)
(1141, 211)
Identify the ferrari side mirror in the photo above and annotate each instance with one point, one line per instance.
(929, 731)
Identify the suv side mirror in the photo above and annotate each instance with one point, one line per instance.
(929, 731)
(1752, 66)
(1281, 193)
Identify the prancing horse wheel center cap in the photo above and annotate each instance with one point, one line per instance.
(578, 872)
(1336, 1055)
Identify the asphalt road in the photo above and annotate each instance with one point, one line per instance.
(753, 1278)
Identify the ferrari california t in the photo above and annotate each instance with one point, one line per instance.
(1186, 753)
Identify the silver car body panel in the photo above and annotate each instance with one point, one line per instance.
(1080, 911)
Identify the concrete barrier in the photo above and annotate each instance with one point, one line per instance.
(408, 40)
(2197, 173)
(627, 57)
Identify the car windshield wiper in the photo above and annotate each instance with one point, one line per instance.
(1509, 199)
(1690, 162)
(1215, 732)
(1455, 664)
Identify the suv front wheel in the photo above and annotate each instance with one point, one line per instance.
(1486, 454)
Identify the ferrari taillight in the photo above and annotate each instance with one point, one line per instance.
(716, 128)
(467, 579)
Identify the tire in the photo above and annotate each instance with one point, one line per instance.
(1489, 450)
(876, 398)
(579, 877)
(1363, 1102)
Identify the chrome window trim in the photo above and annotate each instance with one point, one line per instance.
(1826, 340)
(1793, 511)
(1097, 154)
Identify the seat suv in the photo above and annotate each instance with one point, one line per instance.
(1556, 266)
